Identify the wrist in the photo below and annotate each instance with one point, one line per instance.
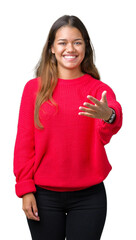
(112, 117)
(107, 117)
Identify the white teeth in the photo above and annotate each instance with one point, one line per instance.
(69, 56)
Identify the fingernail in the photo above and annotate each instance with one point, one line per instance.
(36, 214)
(88, 96)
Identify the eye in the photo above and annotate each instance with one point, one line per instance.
(62, 43)
(77, 43)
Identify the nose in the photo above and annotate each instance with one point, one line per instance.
(70, 48)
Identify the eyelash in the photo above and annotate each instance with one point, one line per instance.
(63, 43)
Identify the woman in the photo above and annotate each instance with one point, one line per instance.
(67, 116)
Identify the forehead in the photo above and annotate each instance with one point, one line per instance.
(68, 32)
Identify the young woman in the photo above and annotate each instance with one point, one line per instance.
(67, 116)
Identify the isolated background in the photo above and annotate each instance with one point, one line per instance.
(24, 26)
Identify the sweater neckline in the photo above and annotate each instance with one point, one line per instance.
(72, 81)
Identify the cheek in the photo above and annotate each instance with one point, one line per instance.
(82, 51)
(59, 50)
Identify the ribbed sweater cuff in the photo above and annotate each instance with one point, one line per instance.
(24, 187)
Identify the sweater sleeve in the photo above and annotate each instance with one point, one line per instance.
(107, 130)
(24, 149)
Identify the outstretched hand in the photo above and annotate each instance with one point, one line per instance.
(99, 110)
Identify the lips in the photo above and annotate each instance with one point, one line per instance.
(70, 56)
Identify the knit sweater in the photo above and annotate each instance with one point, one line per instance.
(69, 153)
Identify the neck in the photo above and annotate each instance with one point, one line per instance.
(70, 74)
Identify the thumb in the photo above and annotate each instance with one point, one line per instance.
(104, 98)
(35, 209)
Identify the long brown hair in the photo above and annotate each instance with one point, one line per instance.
(46, 68)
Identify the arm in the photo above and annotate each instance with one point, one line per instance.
(104, 101)
(24, 150)
(106, 130)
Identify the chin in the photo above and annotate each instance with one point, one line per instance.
(71, 66)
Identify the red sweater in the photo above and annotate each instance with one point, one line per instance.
(68, 154)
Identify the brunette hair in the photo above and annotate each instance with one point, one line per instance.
(46, 68)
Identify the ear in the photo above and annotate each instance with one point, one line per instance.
(52, 49)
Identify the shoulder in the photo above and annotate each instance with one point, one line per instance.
(97, 87)
(31, 87)
(98, 84)
(32, 84)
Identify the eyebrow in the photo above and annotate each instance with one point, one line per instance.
(66, 39)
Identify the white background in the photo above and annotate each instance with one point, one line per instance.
(111, 26)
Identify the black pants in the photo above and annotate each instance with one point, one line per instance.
(77, 215)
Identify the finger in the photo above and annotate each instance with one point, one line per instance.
(87, 110)
(104, 98)
(94, 100)
(35, 209)
(30, 214)
(93, 107)
(87, 114)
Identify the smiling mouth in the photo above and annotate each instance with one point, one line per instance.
(70, 56)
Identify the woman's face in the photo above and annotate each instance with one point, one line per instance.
(69, 48)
